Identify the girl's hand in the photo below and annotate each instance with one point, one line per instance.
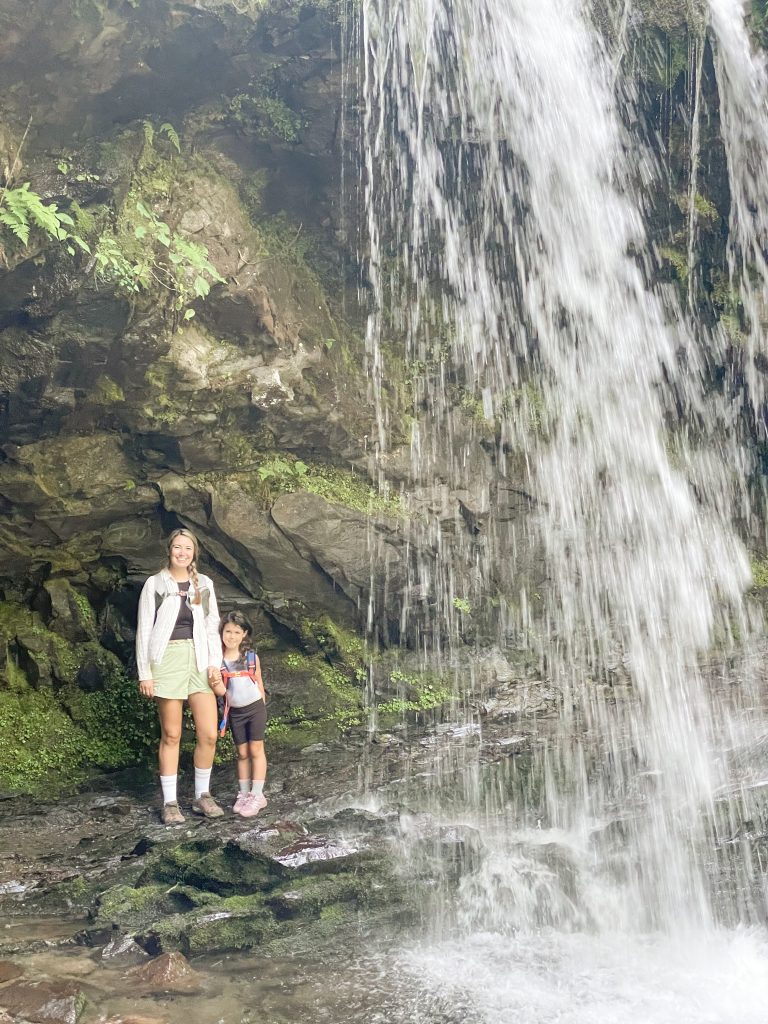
(147, 688)
(214, 676)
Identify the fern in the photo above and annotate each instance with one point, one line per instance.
(21, 210)
(166, 129)
(173, 135)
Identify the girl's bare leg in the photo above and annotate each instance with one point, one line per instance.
(258, 759)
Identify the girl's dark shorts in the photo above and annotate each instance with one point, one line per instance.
(248, 723)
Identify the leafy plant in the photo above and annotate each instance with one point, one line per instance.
(164, 257)
(166, 129)
(283, 473)
(22, 210)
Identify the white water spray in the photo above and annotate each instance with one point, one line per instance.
(742, 78)
(504, 218)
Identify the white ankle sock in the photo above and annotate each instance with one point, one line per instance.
(168, 786)
(244, 785)
(257, 787)
(202, 781)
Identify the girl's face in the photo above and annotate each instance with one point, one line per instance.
(232, 636)
(182, 552)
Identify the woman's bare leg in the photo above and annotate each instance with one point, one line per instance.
(205, 716)
(170, 712)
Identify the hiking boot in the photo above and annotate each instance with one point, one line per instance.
(242, 799)
(207, 806)
(253, 805)
(172, 815)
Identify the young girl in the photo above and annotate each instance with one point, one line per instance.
(178, 654)
(246, 710)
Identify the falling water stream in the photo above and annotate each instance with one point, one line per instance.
(743, 84)
(505, 213)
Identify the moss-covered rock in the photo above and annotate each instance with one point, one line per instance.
(208, 896)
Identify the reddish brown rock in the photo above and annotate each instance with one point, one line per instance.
(43, 1002)
(169, 972)
(9, 971)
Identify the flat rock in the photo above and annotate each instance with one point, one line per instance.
(44, 1002)
(124, 950)
(9, 971)
(311, 849)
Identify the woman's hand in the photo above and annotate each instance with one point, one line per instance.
(214, 676)
(147, 688)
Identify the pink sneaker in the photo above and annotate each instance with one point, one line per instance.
(239, 804)
(253, 804)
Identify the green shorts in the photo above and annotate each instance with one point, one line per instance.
(177, 675)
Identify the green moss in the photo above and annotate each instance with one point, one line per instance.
(419, 693)
(51, 736)
(40, 742)
(678, 260)
(106, 392)
(760, 574)
(347, 488)
(225, 872)
(131, 907)
(236, 932)
(251, 189)
(334, 640)
(262, 112)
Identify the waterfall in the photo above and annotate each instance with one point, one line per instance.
(508, 249)
(742, 78)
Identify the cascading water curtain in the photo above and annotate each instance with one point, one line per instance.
(742, 78)
(507, 247)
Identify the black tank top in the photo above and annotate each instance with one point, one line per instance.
(183, 628)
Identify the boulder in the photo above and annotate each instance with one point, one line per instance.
(348, 546)
(44, 1002)
(169, 972)
(70, 614)
(9, 971)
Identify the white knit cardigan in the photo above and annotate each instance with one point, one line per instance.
(154, 631)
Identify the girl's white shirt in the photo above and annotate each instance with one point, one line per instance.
(154, 632)
(242, 691)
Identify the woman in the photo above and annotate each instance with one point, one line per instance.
(178, 654)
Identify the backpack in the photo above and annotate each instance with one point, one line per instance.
(226, 675)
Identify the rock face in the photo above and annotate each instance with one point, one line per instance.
(194, 354)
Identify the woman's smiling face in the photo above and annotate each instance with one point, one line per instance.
(182, 552)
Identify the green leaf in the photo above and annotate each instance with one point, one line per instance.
(173, 135)
(200, 287)
(189, 314)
